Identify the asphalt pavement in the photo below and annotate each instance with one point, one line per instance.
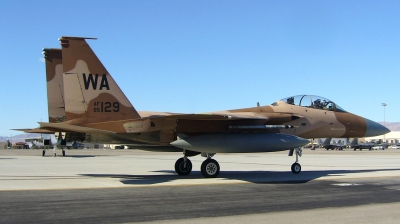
(123, 186)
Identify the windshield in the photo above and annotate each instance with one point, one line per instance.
(311, 101)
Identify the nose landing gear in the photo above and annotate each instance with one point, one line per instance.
(296, 167)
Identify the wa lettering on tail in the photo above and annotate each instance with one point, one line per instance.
(93, 81)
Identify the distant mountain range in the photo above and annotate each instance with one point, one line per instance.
(393, 126)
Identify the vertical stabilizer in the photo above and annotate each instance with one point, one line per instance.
(55, 86)
(90, 91)
(327, 142)
(354, 142)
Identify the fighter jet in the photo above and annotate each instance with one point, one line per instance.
(96, 110)
(339, 145)
(368, 145)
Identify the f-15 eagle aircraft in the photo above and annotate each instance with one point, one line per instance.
(92, 108)
(334, 145)
(368, 145)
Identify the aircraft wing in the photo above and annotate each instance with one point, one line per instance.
(213, 116)
(74, 128)
(276, 118)
(226, 121)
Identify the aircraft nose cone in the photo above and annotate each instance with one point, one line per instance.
(375, 129)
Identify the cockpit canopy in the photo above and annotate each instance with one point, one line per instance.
(310, 101)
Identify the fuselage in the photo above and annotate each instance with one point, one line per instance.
(309, 121)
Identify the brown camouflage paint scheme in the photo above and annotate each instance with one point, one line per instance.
(55, 85)
(123, 124)
(55, 90)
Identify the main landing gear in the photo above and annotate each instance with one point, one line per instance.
(54, 151)
(209, 168)
(183, 166)
(296, 168)
(60, 136)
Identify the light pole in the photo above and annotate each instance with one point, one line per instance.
(384, 122)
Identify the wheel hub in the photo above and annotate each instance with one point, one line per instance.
(211, 168)
(184, 167)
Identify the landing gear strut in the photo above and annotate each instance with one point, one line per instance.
(54, 150)
(209, 168)
(296, 168)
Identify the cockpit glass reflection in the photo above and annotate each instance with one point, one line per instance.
(311, 101)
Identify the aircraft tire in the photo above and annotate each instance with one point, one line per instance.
(296, 168)
(210, 168)
(180, 168)
(44, 152)
(63, 152)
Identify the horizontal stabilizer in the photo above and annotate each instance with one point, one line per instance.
(35, 130)
(74, 128)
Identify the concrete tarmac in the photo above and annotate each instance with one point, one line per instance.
(122, 186)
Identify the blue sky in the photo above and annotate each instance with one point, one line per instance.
(198, 56)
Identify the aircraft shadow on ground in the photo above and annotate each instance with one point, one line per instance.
(259, 177)
(73, 156)
(80, 156)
